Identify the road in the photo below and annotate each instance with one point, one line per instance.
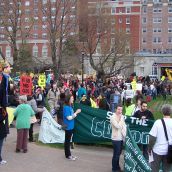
(47, 159)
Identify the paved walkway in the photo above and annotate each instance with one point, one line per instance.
(46, 159)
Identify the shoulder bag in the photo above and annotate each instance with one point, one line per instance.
(169, 153)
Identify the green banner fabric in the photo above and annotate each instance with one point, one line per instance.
(93, 125)
(134, 160)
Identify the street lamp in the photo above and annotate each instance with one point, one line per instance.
(82, 67)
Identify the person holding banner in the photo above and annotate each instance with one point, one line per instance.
(118, 135)
(158, 144)
(68, 119)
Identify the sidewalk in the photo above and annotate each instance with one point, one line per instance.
(46, 159)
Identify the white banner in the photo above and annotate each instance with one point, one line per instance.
(50, 130)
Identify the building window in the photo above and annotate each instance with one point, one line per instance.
(27, 3)
(144, 30)
(8, 51)
(170, 40)
(113, 10)
(157, 10)
(144, 20)
(127, 30)
(44, 51)
(127, 20)
(35, 51)
(154, 69)
(128, 9)
(35, 12)
(157, 30)
(44, 18)
(157, 1)
(169, 19)
(144, 9)
(35, 27)
(169, 30)
(170, 9)
(144, 40)
(98, 48)
(44, 35)
(157, 20)
(44, 1)
(35, 35)
(157, 40)
(27, 12)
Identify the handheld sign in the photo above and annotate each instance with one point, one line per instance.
(42, 81)
(25, 85)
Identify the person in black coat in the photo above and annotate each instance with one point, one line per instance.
(4, 87)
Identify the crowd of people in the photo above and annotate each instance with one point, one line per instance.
(112, 95)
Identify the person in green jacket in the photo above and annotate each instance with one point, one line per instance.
(129, 108)
(23, 114)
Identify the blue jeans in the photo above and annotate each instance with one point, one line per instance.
(1, 143)
(117, 149)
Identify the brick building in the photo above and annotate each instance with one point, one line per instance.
(156, 26)
(34, 22)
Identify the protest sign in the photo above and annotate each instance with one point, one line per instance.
(42, 81)
(134, 160)
(25, 85)
(50, 130)
(93, 126)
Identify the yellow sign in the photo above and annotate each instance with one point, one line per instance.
(134, 85)
(42, 81)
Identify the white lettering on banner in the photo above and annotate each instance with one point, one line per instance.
(139, 121)
(129, 156)
(105, 126)
(140, 137)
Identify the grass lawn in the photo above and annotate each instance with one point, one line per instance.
(155, 105)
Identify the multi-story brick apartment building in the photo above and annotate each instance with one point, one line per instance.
(121, 15)
(34, 22)
(156, 26)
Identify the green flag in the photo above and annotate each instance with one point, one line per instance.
(134, 161)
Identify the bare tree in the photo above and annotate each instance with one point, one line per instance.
(106, 47)
(61, 22)
(12, 19)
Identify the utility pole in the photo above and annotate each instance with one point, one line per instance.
(82, 67)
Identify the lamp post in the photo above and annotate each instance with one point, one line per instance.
(82, 67)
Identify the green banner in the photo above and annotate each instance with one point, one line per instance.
(93, 125)
(134, 160)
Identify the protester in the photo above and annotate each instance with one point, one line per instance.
(81, 91)
(144, 113)
(68, 118)
(23, 114)
(3, 132)
(60, 110)
(53, 97)
(4, 87)
(129, 107)
(158, 143)
(115, 99)
(118, 135)
(103, 103)
(85, 101)
(32, 102)
(139, 99)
